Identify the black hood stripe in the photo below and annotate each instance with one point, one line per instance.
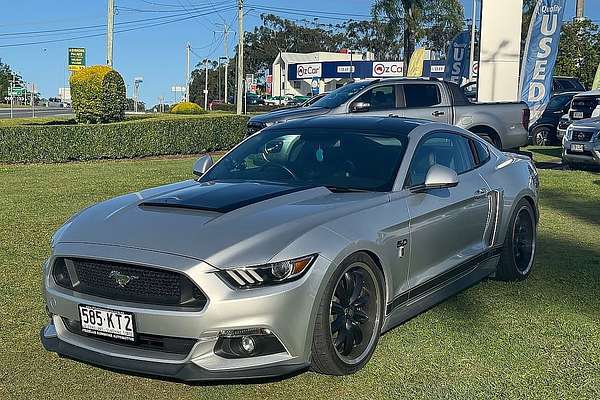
(220, 196)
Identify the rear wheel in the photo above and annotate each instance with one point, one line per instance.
(491, 139)
(349, 319)
(518, 252)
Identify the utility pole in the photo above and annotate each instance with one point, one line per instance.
(110, 33)
(33, 100)
(206, 84)
(240, 60)
(187, 72)
(225, 33)
(579, 10)
(472, 52)
(12, 94)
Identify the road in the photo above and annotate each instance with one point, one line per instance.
(39, 112)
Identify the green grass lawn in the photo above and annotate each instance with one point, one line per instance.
(535, 339)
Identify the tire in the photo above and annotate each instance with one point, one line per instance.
(542, 136)
(336, 324)
(518, 252)
(491, 140)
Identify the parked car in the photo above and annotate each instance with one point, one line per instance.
(584, 104)
(277, 100)
(296, 249)
(543, 132)
(563, 125)
(559, 84)
(581, 144)
(502, 124)
(254, 99)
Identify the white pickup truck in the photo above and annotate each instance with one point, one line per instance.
(503, 124)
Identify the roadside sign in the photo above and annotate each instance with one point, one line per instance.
(76, 58)
(16, 91)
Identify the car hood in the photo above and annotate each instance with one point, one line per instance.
(289, 113)
(593, 123)
(222, 223)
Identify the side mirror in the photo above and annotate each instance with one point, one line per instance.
(360, 106)
(438, 177)
(202, 164)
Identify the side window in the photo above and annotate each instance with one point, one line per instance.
(483, 154)
(421, 95)
(446, 149)
(380, 98)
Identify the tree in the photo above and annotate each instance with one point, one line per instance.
(579, 51)
(370, 36)
(430, 22)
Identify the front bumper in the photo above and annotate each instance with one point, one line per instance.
(286, 310)
(589, 156)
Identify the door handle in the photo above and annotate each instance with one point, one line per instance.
(481, 193)
(438, 113)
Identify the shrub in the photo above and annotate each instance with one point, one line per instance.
(98, 95)
(165, 135)
(187, 108)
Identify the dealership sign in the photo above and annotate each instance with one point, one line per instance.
(541, 51)
(306, 71)
(76, 58)
(388, 68)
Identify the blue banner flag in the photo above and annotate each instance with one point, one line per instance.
(540, 55)
(457, 62)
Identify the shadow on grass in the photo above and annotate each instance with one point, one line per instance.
(579, 207)
(547, 151)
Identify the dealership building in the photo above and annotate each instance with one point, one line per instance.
(296, 74)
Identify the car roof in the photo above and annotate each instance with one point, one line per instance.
(356, 123)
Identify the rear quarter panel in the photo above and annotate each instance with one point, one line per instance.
(504, 118)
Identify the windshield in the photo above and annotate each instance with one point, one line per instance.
(558, 102)
(338, 159)
(341, 95)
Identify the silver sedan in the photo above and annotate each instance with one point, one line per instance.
(296, 250)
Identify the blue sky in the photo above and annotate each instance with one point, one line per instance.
(157, 53)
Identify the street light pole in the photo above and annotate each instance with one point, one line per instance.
(187, 72)
(240, 60)
(206, 84)
(472, 52)
(110, 33)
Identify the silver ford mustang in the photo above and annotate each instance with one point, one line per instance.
(297, 249)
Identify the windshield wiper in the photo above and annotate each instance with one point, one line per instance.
(340, 189)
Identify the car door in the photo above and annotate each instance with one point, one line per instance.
(447, 226)
(381, 100)
(425, 100)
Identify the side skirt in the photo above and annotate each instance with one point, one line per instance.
(430, 293)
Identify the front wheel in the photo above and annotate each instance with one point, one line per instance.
(349, 318)
(518, 252)
(541, 136)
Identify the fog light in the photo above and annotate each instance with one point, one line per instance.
(248, 344)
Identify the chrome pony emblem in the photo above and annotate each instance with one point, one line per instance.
(122, 279)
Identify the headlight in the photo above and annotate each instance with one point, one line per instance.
(569, 133)
(267, 274)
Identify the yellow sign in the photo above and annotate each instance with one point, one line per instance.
(415, 66)
(76, 58)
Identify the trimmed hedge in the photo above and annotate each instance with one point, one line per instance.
(98, 94)
(187, 108)
(168, 135)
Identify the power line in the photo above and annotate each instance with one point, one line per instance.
(116, 31)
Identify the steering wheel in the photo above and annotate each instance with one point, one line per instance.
(282, 167)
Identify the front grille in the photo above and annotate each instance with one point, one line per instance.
(165, 344)
(128, 282)
(254, 127)
(582, 136)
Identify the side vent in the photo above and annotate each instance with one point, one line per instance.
(496, 203)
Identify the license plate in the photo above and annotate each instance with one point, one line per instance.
(108, 323)
(577, 114)
(577, 147)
